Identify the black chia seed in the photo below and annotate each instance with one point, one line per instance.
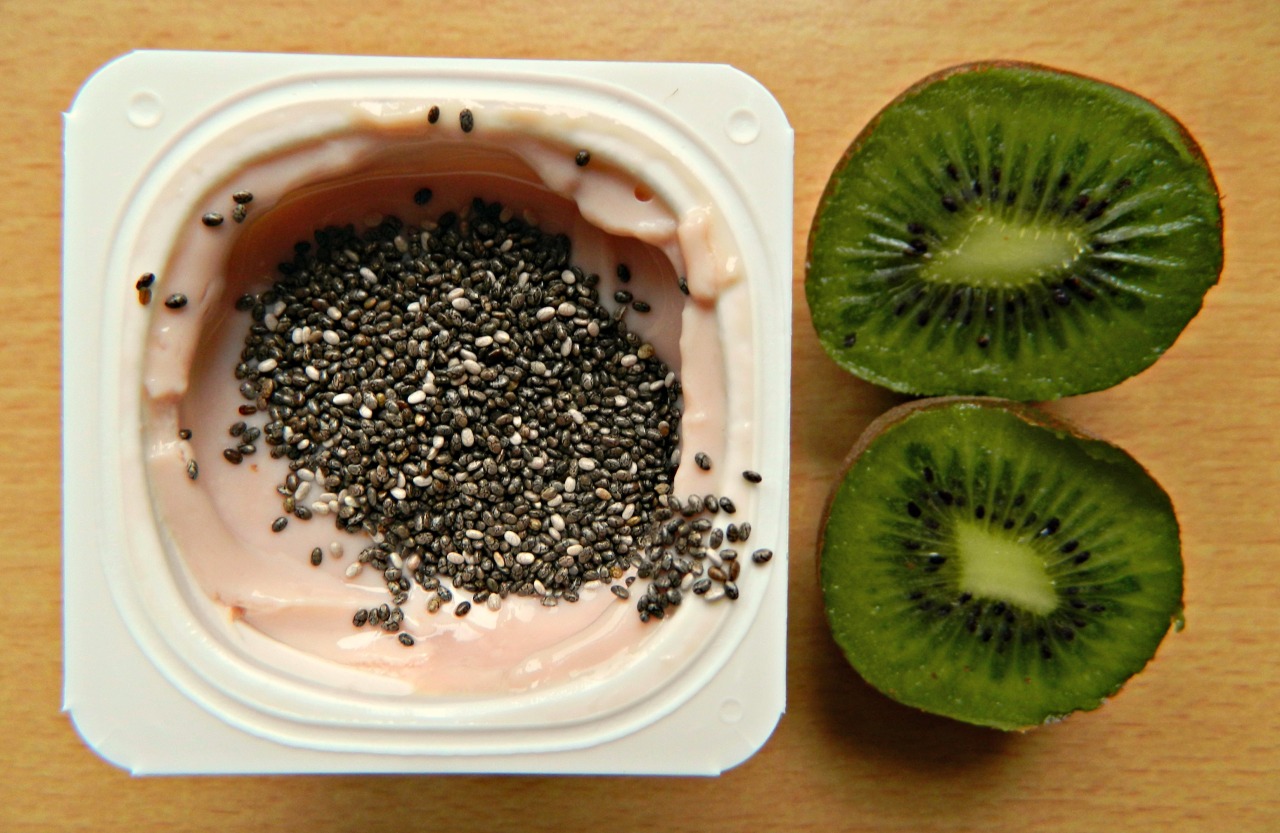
(176, 301)
(212, 219)
(467, 121)
(418, 384)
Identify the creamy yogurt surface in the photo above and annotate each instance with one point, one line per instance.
(334, 163)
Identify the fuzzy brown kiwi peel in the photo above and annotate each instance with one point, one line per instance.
(983, 561)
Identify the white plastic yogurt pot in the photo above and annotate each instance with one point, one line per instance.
(201, 639)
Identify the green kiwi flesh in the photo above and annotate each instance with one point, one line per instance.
(1012, 230)
(983, 562)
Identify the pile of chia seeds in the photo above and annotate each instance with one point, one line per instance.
(459, 393)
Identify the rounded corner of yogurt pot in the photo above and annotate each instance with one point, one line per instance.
(439, 400)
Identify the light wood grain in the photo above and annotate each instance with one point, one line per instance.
(1192, 744)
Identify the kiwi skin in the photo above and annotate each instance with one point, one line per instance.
(1029, 389)
(1035, 418)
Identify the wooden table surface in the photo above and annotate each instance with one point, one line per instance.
(1192, 744)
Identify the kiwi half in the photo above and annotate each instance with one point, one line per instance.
(1012, 230)
(984, 562)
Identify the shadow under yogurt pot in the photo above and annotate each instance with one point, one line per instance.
(473, 417)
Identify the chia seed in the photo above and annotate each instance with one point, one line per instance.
(418, 378)
(176, 301)
(212, 219)
(467, 121)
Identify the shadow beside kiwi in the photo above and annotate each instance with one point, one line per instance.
(830, 408)
(856, 715)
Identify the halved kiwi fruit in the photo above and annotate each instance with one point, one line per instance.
(1012, 230)
(984, 562)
